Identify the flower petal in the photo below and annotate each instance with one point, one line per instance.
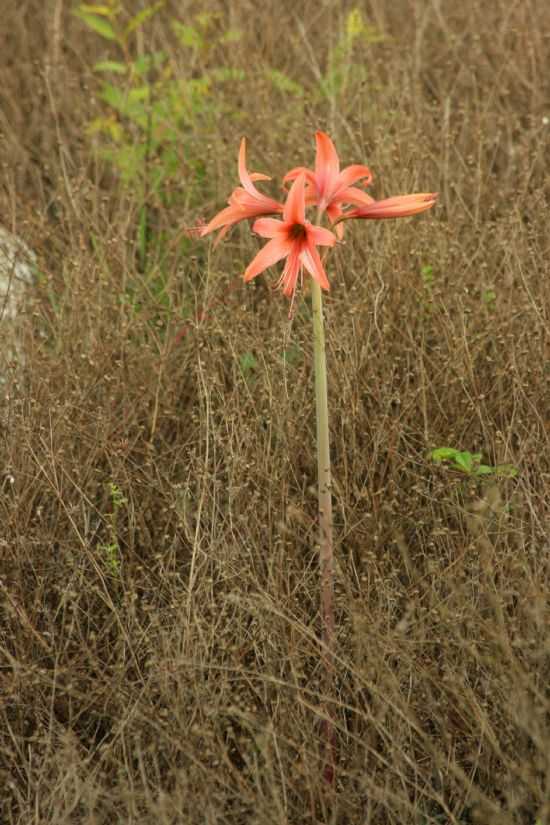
(295, 206)
(327, 167)
(228, 216)
(311, 259)
(400, 206)
(273, 251)
(352, 195)
(267, 227)
(300, 170)
(352, 174)
(320, 236)
(254, 205)
(244, 177)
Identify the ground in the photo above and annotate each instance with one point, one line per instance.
(159, 637)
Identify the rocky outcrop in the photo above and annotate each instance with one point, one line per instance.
(17, 262)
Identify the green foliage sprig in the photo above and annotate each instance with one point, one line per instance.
(151, 112)
(110, 550)
(344, 74)
(470, 464)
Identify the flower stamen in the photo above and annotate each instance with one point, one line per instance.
(297, 232)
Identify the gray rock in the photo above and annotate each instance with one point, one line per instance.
(17, 263)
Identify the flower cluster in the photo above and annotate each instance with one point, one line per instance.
(293, 238)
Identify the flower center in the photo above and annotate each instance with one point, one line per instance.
(297, 232)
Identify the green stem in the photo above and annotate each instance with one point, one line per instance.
(326, 557)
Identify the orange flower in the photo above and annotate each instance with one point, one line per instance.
(245, 201)
(400, 206)
(293, 238)
(328, 187)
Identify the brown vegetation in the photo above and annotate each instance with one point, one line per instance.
(159, 660)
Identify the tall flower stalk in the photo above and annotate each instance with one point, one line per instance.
(295, 240)
(324, 475)
(326, 542)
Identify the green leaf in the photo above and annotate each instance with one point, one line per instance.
(143, 65)
(466, 461)
(484, 470)
(115, 97)
(110, 66)
(463, 460)
(284, 83)
(427, 274)
(97, 24)
(248, 362)
(206, 18)
(463, 464)
(355, 24)
(141, 17)
(107, 126)
(444, 454)
(231, 36)
(132, 104)
(139, 94)
(506, 471)
(293, 355)
(129, 160)
(469, 463)
(117, 496)
(104, 11)
(226, 73)
(188, 36)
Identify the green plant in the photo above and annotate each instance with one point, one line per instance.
(426, 298)
(285, 84)
(293, 355)
(470, 464)
(427, 275)
(489, 298)
(152, 113)
(248, 364)
(342, 70)
(343, 74)
(110, 550)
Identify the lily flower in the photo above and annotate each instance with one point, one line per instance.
(293, 238)
(245, 201)
(328, 187)
(400, 206)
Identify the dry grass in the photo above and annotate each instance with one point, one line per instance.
(186, 688)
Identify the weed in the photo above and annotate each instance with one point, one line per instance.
(470, 463)
(153, 112)
(344, 72)
(110, 550)
(489, 298)
(427, 275)
(346, 67)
